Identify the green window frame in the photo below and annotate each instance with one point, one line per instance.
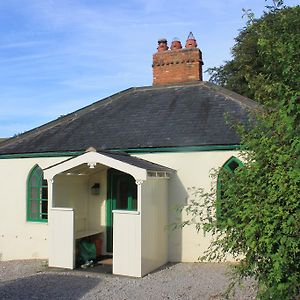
(37, 196)
(229, 166)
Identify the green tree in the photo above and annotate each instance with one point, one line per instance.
(260, 212)
(266, 53)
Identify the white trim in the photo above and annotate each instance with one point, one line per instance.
(92, 158)
(158, 174)
(62, 208)
(126, 212)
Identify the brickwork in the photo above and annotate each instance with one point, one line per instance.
(177, 65)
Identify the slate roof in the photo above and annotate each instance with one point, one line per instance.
(144, 117)
(131, 160)
(136, 161)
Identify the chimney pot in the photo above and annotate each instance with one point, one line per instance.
(162, 45)
(178, 65)
(191, 41)
(176, 44)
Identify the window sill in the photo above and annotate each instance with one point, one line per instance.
(126, 212)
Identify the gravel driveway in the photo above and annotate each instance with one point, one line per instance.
(32, 279)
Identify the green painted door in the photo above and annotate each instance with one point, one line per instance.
(121, 194)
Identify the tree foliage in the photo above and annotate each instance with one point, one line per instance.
(266, 53)
(261, 213)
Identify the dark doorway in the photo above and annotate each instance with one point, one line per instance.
(121, 194)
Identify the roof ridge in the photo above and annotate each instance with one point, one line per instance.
(169, 86)
(245, 101)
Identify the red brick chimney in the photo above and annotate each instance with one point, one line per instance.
(177, 65)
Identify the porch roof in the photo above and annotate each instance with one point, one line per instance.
(121, 161)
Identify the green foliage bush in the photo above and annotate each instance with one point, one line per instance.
(261, 215)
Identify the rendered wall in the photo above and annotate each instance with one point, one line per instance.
(193, 169)
(20, 239)
(154, 218)
(72, 192)
(97, 209)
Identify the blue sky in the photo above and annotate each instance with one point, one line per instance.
(57, 56)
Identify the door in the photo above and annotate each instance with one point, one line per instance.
(121, 195)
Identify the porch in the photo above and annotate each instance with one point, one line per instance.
(121, 198)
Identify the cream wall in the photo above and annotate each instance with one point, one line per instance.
(20, 239)
(72, 192)
(193, 169)
(97, 202)
(75, 192)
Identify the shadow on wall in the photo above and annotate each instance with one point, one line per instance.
(48, 286)
(177, 198)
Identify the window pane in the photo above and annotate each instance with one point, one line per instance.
(233, 165)
(134, 196)
(134, 204)
(33, 180)
(44, 207)
(44, 193)
(122, 194)
(34, 193)
(37, 203)
(34, 206)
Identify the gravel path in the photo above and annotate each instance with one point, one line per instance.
(32, 279)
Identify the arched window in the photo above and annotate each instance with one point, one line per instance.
(37, 196)
(230, 166)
